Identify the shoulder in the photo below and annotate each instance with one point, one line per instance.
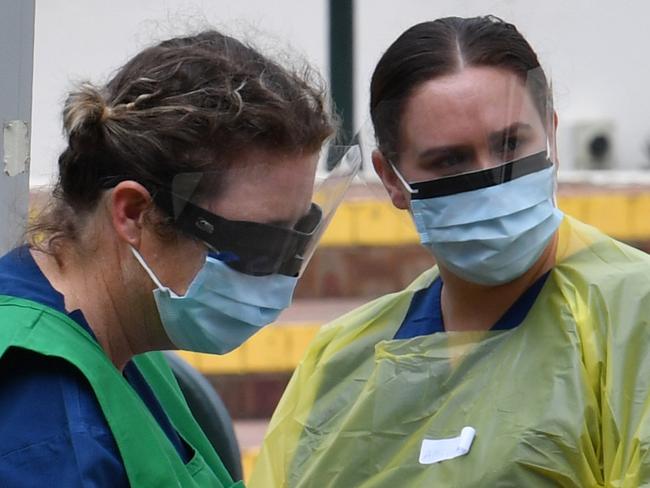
(606, 283)
(586, 255)
(362, 328)
(52, 423)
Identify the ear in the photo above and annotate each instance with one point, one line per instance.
(129, 203)
(394, 187)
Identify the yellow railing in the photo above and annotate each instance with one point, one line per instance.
(623, 215)
(248, 458)
(274, 349)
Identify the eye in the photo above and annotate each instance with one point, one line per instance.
(509, 148)
(451, 163)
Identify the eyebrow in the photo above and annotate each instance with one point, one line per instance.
(515, 128)
(495, 136)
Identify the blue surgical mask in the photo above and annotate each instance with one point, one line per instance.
(492, 235)
(222, 307)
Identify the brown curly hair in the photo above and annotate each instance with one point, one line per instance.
(185, 105)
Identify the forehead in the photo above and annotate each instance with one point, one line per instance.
(267, 187)
(476, 100)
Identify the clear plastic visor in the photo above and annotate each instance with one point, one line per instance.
(480, 127)
(261, 219)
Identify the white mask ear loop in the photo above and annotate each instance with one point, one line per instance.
(146, 267)
(401, 179)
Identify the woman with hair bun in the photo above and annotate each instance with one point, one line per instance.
(182, 217)
(523, 358)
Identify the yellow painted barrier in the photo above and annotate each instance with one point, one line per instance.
(300, 337)
(339, 231)
(374, 222)
(610, 213)
(369, 223)
(639, 219)
(573, 206)
(248, 457)
(277, 348)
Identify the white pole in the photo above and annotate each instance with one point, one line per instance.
(16, 65)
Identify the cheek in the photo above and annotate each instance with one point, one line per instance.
(302, 208)
(194, 264)
(183, 263)
(303, 193)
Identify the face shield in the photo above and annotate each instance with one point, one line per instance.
(293, 218)
(502, 128)
(475, 157)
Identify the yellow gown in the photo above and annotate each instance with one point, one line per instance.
(563, 399)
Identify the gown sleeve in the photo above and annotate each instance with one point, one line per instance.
(622, 367)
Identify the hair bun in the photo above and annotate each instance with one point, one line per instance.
(84, 114)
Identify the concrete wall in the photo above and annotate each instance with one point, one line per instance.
(594, 50)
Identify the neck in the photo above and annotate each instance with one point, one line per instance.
(97, 287)
(469, 306)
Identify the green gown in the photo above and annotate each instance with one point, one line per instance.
(149, 457)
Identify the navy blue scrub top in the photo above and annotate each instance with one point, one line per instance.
(425, 312)
(52, 429)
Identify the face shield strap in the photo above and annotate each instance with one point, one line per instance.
(476, 180)
(252, 248)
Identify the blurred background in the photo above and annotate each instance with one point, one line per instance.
(594, 51)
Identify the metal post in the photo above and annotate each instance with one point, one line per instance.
(341, 61)
(16, 66)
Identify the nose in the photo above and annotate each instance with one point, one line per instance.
(484, 160)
